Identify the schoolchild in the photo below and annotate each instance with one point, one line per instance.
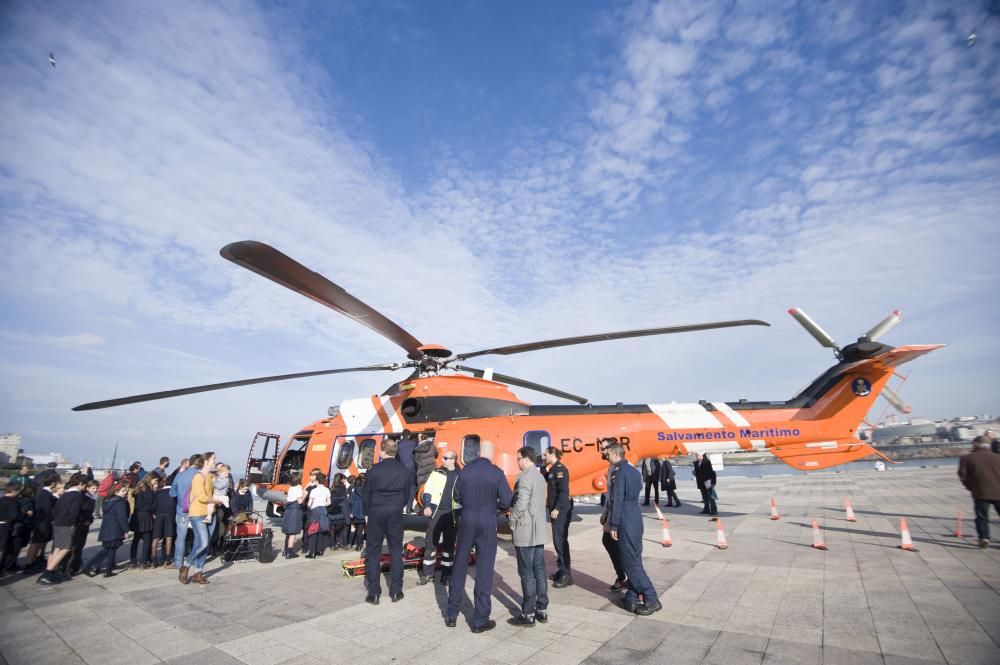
(8, 522)
(357, 507)
(222, 488)
(114, 529)
(25, 518)
(65, 515)
(291, 524)
(73, 563)
(319, 519)
(41, 521)
(339, 512)
(164, 525)
(242, 502)
(144, 500)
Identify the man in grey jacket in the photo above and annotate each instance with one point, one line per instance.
(527, 523)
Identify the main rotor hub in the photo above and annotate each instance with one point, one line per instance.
(435, 351)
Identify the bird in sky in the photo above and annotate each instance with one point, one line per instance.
(52, 59)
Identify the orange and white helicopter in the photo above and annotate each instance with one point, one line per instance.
(462, 406)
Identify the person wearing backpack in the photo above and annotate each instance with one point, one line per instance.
(104, 490)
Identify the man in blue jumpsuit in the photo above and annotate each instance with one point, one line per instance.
(482, 489)
(385, 495)
(625, 519)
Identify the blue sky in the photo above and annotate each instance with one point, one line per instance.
(485, 173)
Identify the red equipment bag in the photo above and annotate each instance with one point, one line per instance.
(249, 529)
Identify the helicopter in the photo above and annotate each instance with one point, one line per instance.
(462, 406)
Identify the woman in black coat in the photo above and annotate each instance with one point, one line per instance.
(114, 529)
(668, 483)
(142, 520)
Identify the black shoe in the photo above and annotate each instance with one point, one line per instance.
(110, 573)
(645, 503)
(489, 625)
(91, 573)
(521, 620)
(46, 578)
(554, 576)
(541, 617)
(628, 605)
(704, 512)
(310, 556)
(292, 555)
(645, 610)
(423, 579)
(371, 600)
(450, 623)
(563, 582)
(677, 505)
(619, 585)
(396, 597)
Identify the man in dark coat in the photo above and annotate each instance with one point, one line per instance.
(704, 475)
(625, 519)
(425, 458)
(651, 478)
(979, 471)
(668, 483)
(385, 494)
(405, 447)
(482, 489)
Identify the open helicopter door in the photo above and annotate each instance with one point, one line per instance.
(354, 453)
(263, 458)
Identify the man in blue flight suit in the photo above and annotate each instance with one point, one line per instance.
(385, 495)
(560, 508)
(482, 489)
(625, 519)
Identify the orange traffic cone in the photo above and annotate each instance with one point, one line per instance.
(774, 510)
(720, 536)
(958, 525)
(666, 542)
(906, 543)
(850, 511)
(817, 537)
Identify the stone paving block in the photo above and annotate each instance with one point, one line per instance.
(270, 655)
(839, 656)
(610, 654)
(784, 652)
(640, 634)
(209, 656)
(171, 643)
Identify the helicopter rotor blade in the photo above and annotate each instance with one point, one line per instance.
(885, 325)
(394, 388)
(148, 397)
(813, 329)
(521, 383)
(272, 264)
(603, 337)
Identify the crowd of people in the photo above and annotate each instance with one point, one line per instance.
(178, 519)
(154, 507)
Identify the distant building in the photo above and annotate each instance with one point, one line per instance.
(10, 445)
(41, 459)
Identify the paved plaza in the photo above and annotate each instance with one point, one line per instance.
(769, 598)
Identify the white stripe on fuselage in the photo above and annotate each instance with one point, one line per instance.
(731, 413)
(685, 416)
(394, 422)
(360, 416)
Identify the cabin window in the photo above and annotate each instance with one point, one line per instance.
(538, 440)
(346, 454)
(470, 448)
(366, 454)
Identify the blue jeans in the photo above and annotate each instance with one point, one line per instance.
(182, 521)
(534, 585)
(199, 552)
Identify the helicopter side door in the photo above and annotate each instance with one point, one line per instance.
(262, 463)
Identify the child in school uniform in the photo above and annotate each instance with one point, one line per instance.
(114, 529)
(357, 505)
(164, 525)
(65, 515)
(25, 519)
(291, 524)
(319, 519)
(73, 563)
(8, 523)
(142, 520)
(339, 511)
(41, 522)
